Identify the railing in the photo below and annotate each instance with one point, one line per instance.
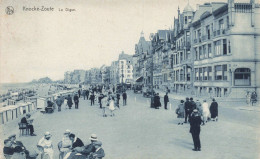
(219, 32)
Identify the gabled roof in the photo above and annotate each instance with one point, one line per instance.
(207, 9)
(188, 8)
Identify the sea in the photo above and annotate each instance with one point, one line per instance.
(4, 87)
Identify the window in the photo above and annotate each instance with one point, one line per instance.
(189, 19)
(186, 20)
(199, 35)
(196, 74)
(209, 50)
(242, 77)
(224, 46)
(181, 75)
(196, 53)
(217, 48)
(221, 24)
(188, 74)
(181, 56)
(218, 72)
(224, 69)
(205, 73)
(205, 51)
(200, 74)
(229, 47)
(200, 52)
(188, 55)
(228, 22)
(208, 31)
(177, 75)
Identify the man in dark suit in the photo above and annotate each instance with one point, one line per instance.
(76, 142)
(29, 125)
(195, 121)
(124, 98)
(187, 107)
(166, 100)
(76, 101)
(87, 93)
(92, 99)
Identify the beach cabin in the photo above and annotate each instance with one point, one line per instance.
(24, 108)
(14, 112)
(42, 101)
(8, 113)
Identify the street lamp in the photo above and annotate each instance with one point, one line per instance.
(151, 55)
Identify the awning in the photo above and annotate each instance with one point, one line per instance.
(140, 79)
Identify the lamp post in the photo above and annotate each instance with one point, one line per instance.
(151, 56)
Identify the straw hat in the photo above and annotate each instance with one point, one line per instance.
(47, 134)
(67, 131)
(93, 137)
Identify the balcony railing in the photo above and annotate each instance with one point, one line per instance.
(219, 32)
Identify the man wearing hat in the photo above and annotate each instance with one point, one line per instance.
(91, 147)
(46, 144)
(195, 122)
(29, 125)
(187, 107)
(65, 144)
(99, 153)
(76, 101)
(15, 143)
(59, 102)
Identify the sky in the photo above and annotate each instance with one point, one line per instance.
(35, 44)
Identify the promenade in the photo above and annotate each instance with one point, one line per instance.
(137, 131)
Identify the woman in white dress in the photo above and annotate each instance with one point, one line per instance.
(112, 106)
(206, 112)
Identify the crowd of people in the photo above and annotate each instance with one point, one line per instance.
(197, 114)
(70, 147)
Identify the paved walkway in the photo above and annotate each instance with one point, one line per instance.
(137, 131)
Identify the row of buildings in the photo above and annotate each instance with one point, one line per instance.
(210, 51)
(120, 71)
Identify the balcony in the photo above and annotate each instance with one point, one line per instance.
(220, 32)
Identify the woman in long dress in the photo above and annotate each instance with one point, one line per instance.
(112, 106)
(180, 112)
(205, 112)
(214, 110)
